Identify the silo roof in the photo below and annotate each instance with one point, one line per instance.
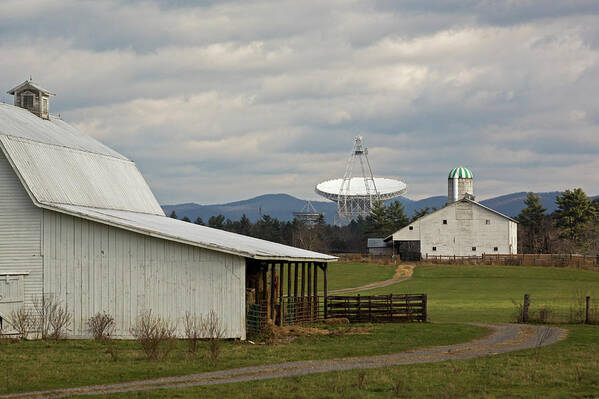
(461, 173)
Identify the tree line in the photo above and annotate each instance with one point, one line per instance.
(383, 220)
(572, 228)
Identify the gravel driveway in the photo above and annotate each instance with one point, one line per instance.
(504, 338)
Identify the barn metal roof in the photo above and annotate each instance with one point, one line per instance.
(66, 171)
(30, 84)
(193, 234)
(19, 122)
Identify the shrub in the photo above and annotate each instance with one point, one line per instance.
(155, 335)
(22, 321)
(101, 326)
(193, 331)
(52, 320)
(212, 328)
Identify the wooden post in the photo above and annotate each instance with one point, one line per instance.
(303, 291)
(359, 317)
(281, 304)
(273, 294)
(525, 308)
(264, 283)
(424, 307)
(326, 290)
(289, 280)
(369, 308)
(309, 296)
(587, 310)
(295, 281)
(390, 307)
(315, 290)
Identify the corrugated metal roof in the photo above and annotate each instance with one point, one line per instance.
(193, 234)
(19, 122)
(54, 174)
(31, 84)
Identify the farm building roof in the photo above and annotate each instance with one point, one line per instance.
(64, 170)
(461, 173)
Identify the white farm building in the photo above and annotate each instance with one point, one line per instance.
(461, 228)
(78, 222)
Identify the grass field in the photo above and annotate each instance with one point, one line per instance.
(35, 365)
(485, 293)
(456, 294)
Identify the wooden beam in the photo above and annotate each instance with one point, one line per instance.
(326, 290)
(315, 290)
(303, 292)
(281, 285)
(272, 291)
(289, 280)
(295, 281)
(264, 271)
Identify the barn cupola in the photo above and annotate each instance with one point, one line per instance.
(33, 97)
(460, 184)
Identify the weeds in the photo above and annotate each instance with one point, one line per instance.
(101, 326)
(155, 335)
(52, 320)
(22, 321)
(212, 328)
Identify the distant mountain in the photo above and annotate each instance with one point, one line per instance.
(282, 206)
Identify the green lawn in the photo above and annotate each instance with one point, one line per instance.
(35, 365)
(485, 293)
(567, 369)
(348, 275)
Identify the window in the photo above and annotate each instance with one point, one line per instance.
(411, 228)
(473, 248)
(444, 221)
(487, 221)
(27, 101)
(11, 288)
(434, 248)
(45, 107)
(495, 249)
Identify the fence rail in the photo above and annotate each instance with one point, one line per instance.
(589, 262)
(400, 308)
(581, 310)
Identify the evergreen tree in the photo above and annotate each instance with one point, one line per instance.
(217, 222)
(245, 225)
(418, 213)
(199, 221)
(186, 219)
(574, 211)
(174, 214)
(531, 219)
(396, 217)
(377, 223)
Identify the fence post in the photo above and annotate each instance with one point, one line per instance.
(525, 308)
(587, 310)
(424, 305)
(359, 315)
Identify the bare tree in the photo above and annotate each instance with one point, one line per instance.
(52, 320)
(212, 328)
(193, 331)
(101, 326)
(23, 322)
(155, 335)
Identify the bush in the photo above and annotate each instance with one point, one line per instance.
(212, 328)
(101, 326)
(155, 335)
(52, 320)
(22, 321)
(193, 331)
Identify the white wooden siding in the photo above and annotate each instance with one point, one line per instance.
(20, 234)
(466, 228)
(93, 267)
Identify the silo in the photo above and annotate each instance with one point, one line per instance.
(459, 184)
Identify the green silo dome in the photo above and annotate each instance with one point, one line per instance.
(461, 173)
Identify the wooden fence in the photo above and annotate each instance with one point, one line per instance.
(401, 308)
(588, 262)
(581, 310)
(379, 308)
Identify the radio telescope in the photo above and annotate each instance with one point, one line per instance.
(358, 190)
(308, 215)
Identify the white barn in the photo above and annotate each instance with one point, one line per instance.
(461, 228)
(79, 222)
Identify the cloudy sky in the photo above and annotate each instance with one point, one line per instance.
(224, 100)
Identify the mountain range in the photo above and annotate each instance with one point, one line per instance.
(282, 206)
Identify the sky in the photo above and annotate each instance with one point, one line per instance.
(219, 101)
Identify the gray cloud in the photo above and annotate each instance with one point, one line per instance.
(219, 101)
